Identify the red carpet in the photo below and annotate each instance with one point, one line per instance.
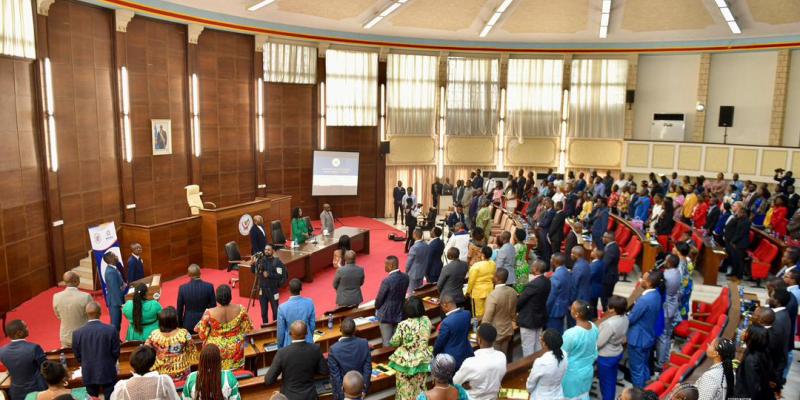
(43, 325)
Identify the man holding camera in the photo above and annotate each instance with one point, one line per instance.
(784, 179)
(270, 275)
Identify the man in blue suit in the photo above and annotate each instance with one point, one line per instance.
(641, 333)
(582, 278)
(456, 217)
(350, 353)
(297, 308)
(135, 264)
(96, 347)
(194, 297)
(436, 246)
(599, 222)
(561, 294)
(454, 329)
(390, 299)
(598, 270)
(23, 360)
(115, 289)
(258, 236)
(642, 206)
(417, 262)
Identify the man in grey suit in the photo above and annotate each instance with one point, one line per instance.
(70, 307)
(348, 281)
(326, 217)
(507, 256)
(417, 262)
(454, 276)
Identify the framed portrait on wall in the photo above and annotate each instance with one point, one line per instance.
(162, 136)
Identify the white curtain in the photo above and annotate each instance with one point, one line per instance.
(597, 98)
(472, 96)
(411, 94)
(17, 36)
(351, 94)
(290, 63)
(533, 97)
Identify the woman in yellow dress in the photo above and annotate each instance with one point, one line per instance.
(175, 351)
(225, 326)
(480, 282)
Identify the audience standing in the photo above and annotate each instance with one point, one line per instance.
(297, 363)
(412, 356)
(225, 326)
(417, 261)
(501, 312)
(611, 339)
(580, 345)
(485, 370)
(175, 349)
(641, 331)
(96, 347)
(532, 309)
(145, 384)
(141, 313)
(348, 281)
(297, 308)
(70, 307)
(211, 381)
(194, 298)
(454, 330)
(481, 281)
(350, 353)
(23, 360)
(390, 298)
(549, 369)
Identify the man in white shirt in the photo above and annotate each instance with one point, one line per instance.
(485, 370)
(459, 240)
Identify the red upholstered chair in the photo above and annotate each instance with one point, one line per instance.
(762, 259)
(704, 314)
(611, 223)
(622, 235)
(627, 259)
(664, 381)
(698, 242)
(678, 230)
(665, 243)
(676, 380)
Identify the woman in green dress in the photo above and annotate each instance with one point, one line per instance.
(299, 227)
(55, 375)
(443, 368)
(521, 269)
(142, 314)
(413, 355)
(210, 381)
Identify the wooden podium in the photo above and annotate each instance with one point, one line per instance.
(153, 283)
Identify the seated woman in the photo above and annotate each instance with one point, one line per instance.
(443, 368)
(144, 384)
(175, 352)
(142, 314)
(210, 381)
(55, 375)
(338, 254)
(225, 326)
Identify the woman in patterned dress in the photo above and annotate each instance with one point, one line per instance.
(225, 326)
(175, 352)
(522, 270)
(413, 355)
(475, 245)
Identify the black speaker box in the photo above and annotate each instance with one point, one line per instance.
(725, 116)
(385, 147)
(630, 96)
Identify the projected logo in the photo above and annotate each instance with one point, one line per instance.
(336, 162)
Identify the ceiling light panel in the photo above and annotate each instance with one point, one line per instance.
(385, 13)
(727, 15)
(498, 12)
(605, 17)
(260, 4)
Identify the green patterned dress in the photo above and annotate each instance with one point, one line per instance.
(412, 357)
(522, 269)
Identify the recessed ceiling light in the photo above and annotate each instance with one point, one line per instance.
(606, 7)
(486, 30)
(603, 32)
(260, 4)
(734, 27)
(727, 15)
(373, 21)
(385, 13)
(504, 5)
(605, 17)
(498, 12)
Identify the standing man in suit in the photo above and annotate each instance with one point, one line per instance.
(507, 257)
(297, 362)
(501, 311)
(258, 236)
(23, 360)
(561, 294)
(454, 276)
(737, 239)
(556, 231)
(417, 261)
(641, 332)
(70, 307)
(96, 347)
(326, 217)
(458, 192)
(598, 271)
(194, 298)
(397, 195)
(436, 191)
(571, 240)
(390, 298)
(581, 274)
(456, 217)
(297, 308)
(348, 280)
(273, 276)
(436, 246)
(477, 183)
(135, 263)
(115, 289)
(599, 222)
(454, 330)
(545, 220)
(532, 309)
(350, 353)
(611, 265)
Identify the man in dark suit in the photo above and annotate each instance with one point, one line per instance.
(545, 220)
(194, 298)
(458, 192)
(273, 275)
(23, 360)
(350, 353)
(556, 231)
(456, 217)
(96, 347)
(115, 289)
(436, 191)
(397, 195)
(611, 265)
(532, 309)
(714, 211)
(782, 331)
(561, 294)
(454, 276)
(581, 274)
(599, 222)
(417, 261)
(436, 246)
(454, 330)
(348, 280)
(737, 239)
(297, 363)
(598, 271)
(641, 332)
(258, 236)
(477, 181)
(571, 240)
(390, 299)
(135, 264)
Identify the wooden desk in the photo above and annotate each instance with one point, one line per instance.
(709, 259)
(168, 247)
(650, 248)
(153, 283)
(308, 259)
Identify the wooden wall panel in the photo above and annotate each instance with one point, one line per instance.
(25, 267)
(363, 139)
(169, 247)
(156, 61)
(225, 72)
(81, 40)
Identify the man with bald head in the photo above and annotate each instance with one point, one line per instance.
(353, 385)
(326, 218)
(258, 236)
(96, 347)
(297, 363)
(194, 297)
(348, 281)
(69, 306)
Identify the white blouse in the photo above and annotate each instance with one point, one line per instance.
(544, 381)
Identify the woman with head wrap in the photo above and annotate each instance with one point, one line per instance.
(443, 367)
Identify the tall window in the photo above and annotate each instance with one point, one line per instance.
(16, 29)
(597, 98)
(472, 96)
(352, 88)
(411, 100)
(290, 63)
(534, 97)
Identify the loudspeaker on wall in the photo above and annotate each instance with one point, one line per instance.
(725, 116)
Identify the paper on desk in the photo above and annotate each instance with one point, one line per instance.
(77, 373)
(365, 320)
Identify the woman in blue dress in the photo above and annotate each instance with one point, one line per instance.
(580, 345)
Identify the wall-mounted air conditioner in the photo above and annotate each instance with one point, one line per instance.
(668, 127)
